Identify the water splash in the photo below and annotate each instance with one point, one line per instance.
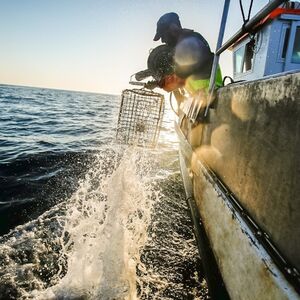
(110, 239)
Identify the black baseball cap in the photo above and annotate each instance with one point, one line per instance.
(164, 21)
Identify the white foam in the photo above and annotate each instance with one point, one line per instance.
(106, 226)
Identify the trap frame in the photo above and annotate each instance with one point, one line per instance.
(140, 117)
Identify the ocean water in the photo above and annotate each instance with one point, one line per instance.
(82, 217)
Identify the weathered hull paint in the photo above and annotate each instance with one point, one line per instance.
(252, 144)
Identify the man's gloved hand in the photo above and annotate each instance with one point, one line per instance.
(150, 85)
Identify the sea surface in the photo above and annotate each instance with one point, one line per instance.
(82, 217)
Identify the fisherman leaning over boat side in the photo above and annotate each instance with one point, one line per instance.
(184, 61)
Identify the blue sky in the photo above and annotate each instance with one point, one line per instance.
(95, 45)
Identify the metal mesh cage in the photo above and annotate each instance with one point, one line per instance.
(140, 117)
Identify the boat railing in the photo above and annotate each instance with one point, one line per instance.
(247, 26)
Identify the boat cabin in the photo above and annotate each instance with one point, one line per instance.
(272, 47)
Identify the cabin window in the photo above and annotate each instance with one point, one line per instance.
(249, 51)
(239, 59)
(243, 57)
(296, 48)
(286, 42)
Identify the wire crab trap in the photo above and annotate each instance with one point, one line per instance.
(140, 117)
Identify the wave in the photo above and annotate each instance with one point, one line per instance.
(45, 177)
(123, 234)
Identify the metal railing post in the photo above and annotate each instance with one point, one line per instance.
(216, 57)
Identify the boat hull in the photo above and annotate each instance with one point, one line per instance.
(244, 165)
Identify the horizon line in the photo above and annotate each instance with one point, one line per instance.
(58, 89)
